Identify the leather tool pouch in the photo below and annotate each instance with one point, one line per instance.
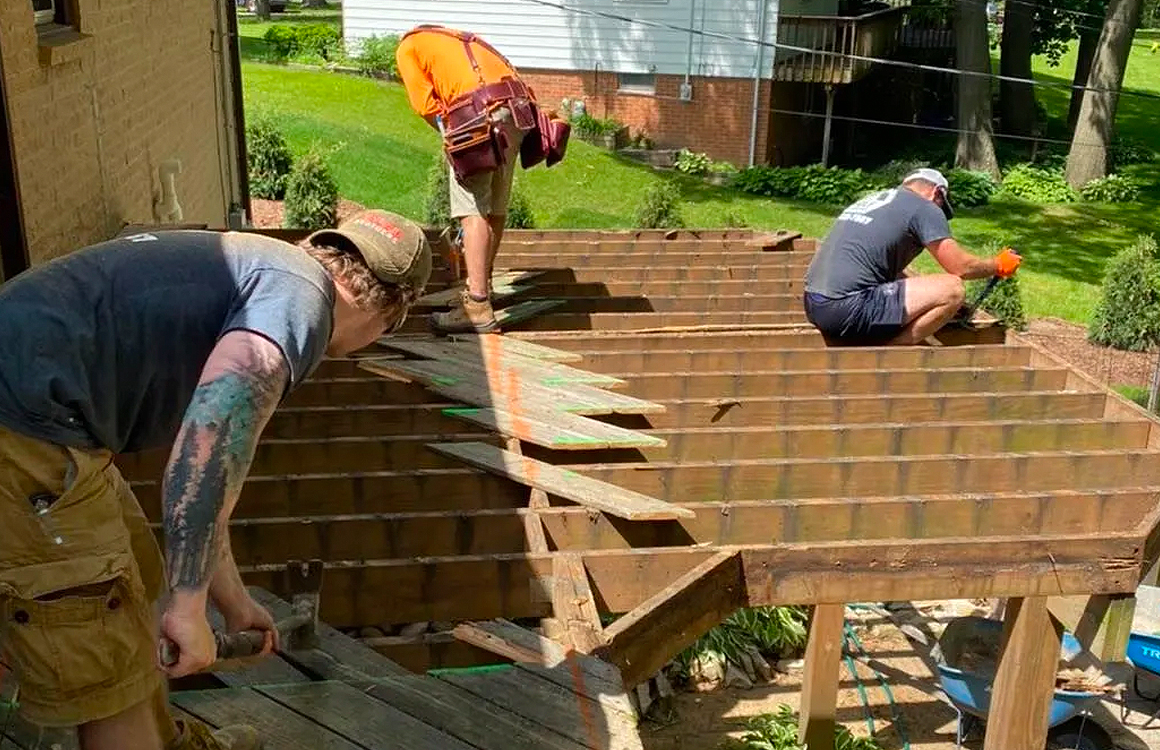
(473, 142)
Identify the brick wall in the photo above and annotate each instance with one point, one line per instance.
(717, 121)
(92, 123)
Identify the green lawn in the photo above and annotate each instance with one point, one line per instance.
(381, 153)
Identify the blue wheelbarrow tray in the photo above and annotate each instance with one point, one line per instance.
(970, 691)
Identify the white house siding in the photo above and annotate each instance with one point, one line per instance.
(536, 36)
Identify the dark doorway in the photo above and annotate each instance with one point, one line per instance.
(13, 244)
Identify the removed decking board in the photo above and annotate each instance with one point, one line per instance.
(372, 723)
(515, 346)
(488, 356)
(280, 727)
(551, 705)
(510, 389)
(557, 430)
(465, 717)
(563, 483)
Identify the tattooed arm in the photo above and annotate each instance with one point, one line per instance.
(240, 386)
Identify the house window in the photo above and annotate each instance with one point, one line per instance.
(45, 10)
(637, 83)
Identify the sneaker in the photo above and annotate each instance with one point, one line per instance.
(469, 315)
(193, 735)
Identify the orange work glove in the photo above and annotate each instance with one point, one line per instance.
(1006, 263)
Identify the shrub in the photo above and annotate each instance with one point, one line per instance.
(660, 208)
(1037, 184)
(813, 183)
(587, 126)
(437, 205)
(969, 189)
(313, 39)
(311, 195)
(1127, 316)
(1005, 301)
(1115, 188)
(779, 731)
(777, 631)
(1130, 151)
(321, 39)
(722, 167)
(376, 57)
(892, 172)
(268, 159)
(281, 41)
(692, 163)
(519, 214)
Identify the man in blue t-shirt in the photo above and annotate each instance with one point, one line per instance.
(187, 339)
(855, 290)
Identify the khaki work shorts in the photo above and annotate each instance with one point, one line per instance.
(488, 193)
(77, 619)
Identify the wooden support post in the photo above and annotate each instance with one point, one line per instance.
(574, 604)
(1025, 679)
(820, 681)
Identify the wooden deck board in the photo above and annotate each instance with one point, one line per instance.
(465, 717)
(371, 723)
(485, 355)
(563, 483)
(280, 727)
(558, 430)
(553, 706)
(338, 656)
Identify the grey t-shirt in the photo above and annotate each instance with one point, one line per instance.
(103, 348)
(873, 241)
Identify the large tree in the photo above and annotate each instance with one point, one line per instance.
(1087, 159)
(976, 147)
(1016, 99)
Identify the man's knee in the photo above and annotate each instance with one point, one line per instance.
(954, 291)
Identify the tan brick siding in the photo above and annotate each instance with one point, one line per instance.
(89, 133)
(717, 121)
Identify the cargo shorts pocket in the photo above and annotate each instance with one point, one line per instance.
(73, 643)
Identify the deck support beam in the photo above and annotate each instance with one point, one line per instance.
(820, 681)
(1025, 679)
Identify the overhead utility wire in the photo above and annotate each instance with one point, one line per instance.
(863, 58)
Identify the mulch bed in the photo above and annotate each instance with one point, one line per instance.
(1111, 366)
(1066, 340)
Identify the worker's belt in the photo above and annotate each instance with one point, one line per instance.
(473, 139)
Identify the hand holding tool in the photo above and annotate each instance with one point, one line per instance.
(1007, 262)
(298, 631)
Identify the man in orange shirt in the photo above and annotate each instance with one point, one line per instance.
(439, 66)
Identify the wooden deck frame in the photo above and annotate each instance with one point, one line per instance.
(959, 521)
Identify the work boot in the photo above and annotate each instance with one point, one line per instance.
(193, 735)
(469, 315)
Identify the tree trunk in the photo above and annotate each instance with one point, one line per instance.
(262, 9)
(1087, 159)
(1083, 68)
(976, 149)
(1017, 100)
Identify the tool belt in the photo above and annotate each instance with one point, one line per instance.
(474, 139)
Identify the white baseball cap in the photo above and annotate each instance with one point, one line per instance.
(936, 178)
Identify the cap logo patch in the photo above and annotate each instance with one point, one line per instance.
(381, 226)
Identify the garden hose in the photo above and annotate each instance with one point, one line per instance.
(858, 683)
(895, 715)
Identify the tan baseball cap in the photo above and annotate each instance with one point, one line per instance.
(395, 248)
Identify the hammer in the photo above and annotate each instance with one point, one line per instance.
(298, 631)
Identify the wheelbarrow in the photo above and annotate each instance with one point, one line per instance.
(1144, 656)
(969, 690)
